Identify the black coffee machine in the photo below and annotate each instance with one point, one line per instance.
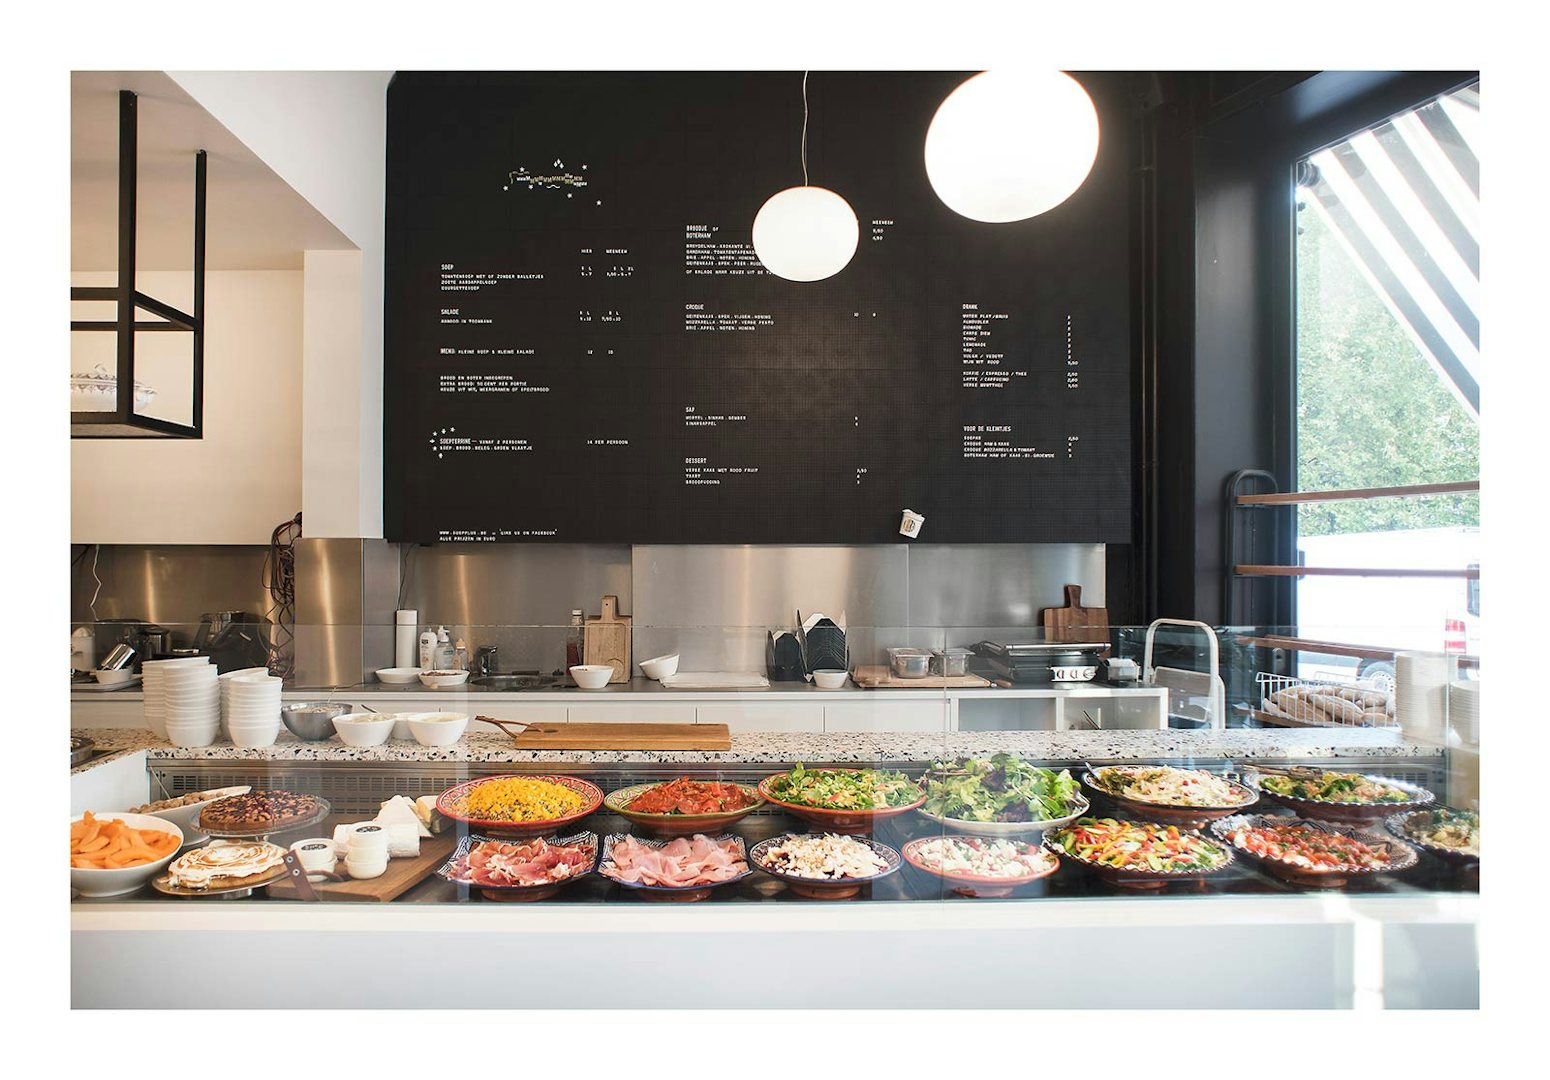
(234, 639)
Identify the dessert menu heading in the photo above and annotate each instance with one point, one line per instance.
(581, 345)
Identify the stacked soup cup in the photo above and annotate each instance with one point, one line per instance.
(192, 703)
(155, 690)
(253, 708)
(225, 679)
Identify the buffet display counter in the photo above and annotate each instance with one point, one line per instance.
(1238, 937)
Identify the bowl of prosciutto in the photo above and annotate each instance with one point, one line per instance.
(683, 868)
(683, 807)
(530, 869)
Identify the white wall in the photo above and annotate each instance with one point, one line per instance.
(325, 134)
(244, 477)
(331, 478)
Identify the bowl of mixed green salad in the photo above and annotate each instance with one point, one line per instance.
(1001, 795)
(842, 800)
(1342, 796)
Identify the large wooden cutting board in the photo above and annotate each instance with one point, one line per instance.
(400, 876)
(881, 677)
(1075, 622)
(608, 640)
(625, 737)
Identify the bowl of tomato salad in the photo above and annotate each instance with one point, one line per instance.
(683, 807)
(1321, 854)
(1139, 854)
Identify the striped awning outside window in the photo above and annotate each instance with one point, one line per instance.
(1404, 199)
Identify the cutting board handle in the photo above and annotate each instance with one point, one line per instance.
(1073, 596)
(610, 609)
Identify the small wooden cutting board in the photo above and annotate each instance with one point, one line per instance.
(400, 876)
(607, 640)
(625, 737)
(1075, 622)
(881, 677)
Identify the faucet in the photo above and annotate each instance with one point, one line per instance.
(486, 660)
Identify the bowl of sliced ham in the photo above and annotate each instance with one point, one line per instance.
(683, 868)
(531, 869)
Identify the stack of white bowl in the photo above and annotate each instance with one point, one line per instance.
(1421, 693)
(253, 709)
(225, 679)
(154, 703)
(1464, 710)
(193, 704)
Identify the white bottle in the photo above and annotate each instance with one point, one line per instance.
(404, 622)
(428, 650)
(445, 653)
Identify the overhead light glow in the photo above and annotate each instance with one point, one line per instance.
(805, 233)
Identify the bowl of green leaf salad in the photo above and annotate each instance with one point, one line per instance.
(842, 800)
(1001, 795)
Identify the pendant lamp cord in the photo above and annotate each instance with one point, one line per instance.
(804, 130)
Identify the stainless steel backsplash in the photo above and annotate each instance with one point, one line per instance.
(713, 604)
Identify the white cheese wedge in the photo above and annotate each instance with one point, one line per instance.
(399, 809)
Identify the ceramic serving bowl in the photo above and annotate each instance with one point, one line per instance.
(519, 893)
(976, 885)
(830, 679)
(1370, 813)
(363, 729)
(1180, 814)
(1401, 824)
(824, 888)
(440, 680)
(1401, 856)
(1137, 878)
(447, 803)
(91, 882)
(592, 676)
(1009, 830)
(836, 821)
(618, 802)
(115, 677)
(436, 729)
(670, 893)
(660, 666)
(398, 676)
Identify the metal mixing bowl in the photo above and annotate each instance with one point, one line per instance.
(313, 720)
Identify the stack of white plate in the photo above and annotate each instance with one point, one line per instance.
(1421, 693)
(253, 709)
(225, 680)
(155, 699)
(193, 704)
(1464, 710)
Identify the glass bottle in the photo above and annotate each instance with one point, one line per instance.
(575, 639)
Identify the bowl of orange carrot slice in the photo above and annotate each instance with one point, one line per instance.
(114, 854)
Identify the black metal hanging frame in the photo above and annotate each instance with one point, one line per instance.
(122, 422)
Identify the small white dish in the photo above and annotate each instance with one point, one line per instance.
(829, 678)
(363, 729)
(317, 855)
(116, 677)
(437, 729)
(398, 676)
(660, 666)
(438, 680)
(592, 676)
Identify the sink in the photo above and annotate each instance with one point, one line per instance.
(515, 682)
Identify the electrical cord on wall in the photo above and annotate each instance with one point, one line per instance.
(405, 550)
(279, 579)
(95, 550)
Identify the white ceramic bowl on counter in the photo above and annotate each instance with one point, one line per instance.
(592, 676)
(115, 677)
(830, 678)
(89, 882)
(660, 666)
(398, 676)
(438, 680)
(364, 729)
(437, 729)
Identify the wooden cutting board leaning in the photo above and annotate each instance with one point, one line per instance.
(608, 640)
(1075, 622)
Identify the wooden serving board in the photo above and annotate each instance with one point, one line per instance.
(608, 640)
(1075, 622)
(881, 677)
(400, 876)
(625, 737)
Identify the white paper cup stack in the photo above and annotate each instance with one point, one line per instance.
(225, 680)
(1464, 710)
(1421, 693)
(154, 703)
(193, 704)
(253, 709)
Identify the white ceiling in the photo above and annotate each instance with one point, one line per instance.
(254, 220)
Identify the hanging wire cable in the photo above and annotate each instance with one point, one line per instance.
(279, 578)
(804, 130)
(95, 549)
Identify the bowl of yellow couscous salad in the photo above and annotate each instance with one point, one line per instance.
(520, 805)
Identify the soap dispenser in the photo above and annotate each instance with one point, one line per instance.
(445, 653)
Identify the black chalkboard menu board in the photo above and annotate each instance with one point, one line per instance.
(581, 345)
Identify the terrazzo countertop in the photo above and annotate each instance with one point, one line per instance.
(774, 747)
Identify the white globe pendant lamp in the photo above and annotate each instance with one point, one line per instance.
(805, 233)
(1009, 145)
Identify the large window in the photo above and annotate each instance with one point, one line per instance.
(1388, 373)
